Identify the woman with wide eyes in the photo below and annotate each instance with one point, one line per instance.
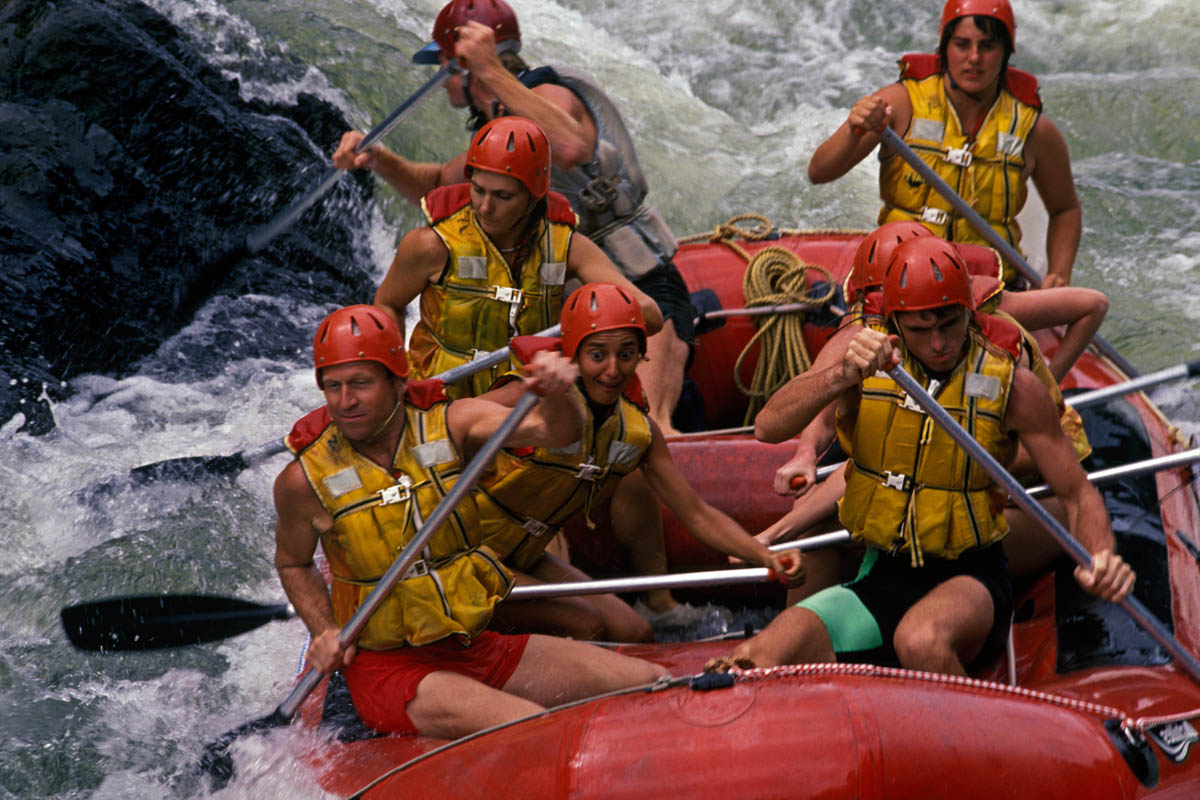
(622, 455)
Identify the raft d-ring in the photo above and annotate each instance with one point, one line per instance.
(1136, 751)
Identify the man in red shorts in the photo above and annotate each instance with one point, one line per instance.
(370, 466)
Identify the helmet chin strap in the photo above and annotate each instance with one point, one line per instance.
(954, 85)
(383, 425)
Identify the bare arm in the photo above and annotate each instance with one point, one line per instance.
(859, 134)
(588, 263)
(555, 422)
(556, 109)
(420, 258)
(1052, 177)
(1031, 414)
(795, 405)
(1081, 310)
(818, 434)
(814, 508)
(412, 180)
(299, 516)
(709, 525)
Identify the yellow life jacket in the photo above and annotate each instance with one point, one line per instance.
(480, 301)
(986, 170)
(988, 296)
(1069, 419)
(453, 588)
(527, 495)
(909, 486)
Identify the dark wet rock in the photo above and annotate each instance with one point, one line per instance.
(127, 165)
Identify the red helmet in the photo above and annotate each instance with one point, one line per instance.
(875, 253)
(926, 273)
(513, 146)
(496, 14)
(596, 307)
(996, 9)
(359, 333)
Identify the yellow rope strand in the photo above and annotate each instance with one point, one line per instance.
(774, 276)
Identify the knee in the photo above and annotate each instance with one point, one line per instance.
(796, 636)
(922, 647)
(632, 628)
(587, 624)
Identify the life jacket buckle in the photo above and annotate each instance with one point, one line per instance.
(588, 471)
(959, 156)
(911, 404)
(896, 480)
(935, 216)
(417, 569)
(508, 294)
(400, 492)
(536, 528)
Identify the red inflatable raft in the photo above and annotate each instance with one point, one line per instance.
(1091, 707)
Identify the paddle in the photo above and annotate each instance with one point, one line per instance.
(216, 759)
(191, 467)
(150, 622)
(1189, 370)
(997, 241)
(1134, 607)
(213, 272)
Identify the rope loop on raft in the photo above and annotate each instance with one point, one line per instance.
(774, 276)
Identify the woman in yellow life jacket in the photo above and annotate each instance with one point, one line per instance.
(494, 258)
(978, 124)
(622, 455)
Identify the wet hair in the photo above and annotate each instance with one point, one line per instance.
(989, 26)
(514, 64)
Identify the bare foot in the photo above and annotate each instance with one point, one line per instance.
(727, 663)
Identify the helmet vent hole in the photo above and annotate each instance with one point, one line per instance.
(511, 146)
(937, 273)
(354, 327)
(904, 277)
(594, 305)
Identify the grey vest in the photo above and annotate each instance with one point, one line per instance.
(608, 192)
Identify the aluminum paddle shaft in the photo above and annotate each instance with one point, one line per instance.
(261, 237)
(1141, 615)
(466, 482)
(985, 230)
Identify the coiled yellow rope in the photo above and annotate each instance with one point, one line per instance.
(774, 276)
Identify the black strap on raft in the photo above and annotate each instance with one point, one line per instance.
(1136, 751)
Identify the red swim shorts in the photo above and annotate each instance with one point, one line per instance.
(382, 682)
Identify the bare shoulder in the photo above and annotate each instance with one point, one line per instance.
(564, 98)
(424, 247)
(291, 484)
(1029, 403)
(896, 96)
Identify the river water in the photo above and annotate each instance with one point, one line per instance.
(727, 100)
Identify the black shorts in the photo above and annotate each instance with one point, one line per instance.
(887, 586)
(664, 285)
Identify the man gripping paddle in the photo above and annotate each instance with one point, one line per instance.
(370, 467)
(934, 592)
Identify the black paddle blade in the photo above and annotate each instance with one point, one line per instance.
(156, 621)
(187, 468)
(216, 761)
